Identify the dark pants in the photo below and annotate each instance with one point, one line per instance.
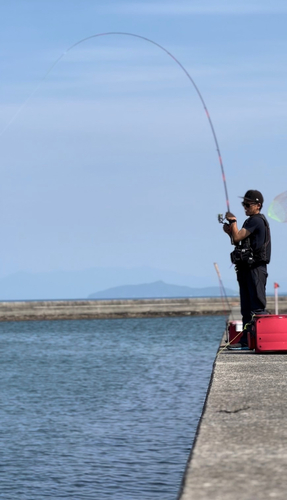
(252, 286)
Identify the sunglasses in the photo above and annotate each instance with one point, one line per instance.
(247, 205)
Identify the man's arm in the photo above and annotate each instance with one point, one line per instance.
(236, 234)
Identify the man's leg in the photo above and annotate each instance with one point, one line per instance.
(243, 278)
(258, 289)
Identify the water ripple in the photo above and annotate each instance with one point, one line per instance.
(101, 409)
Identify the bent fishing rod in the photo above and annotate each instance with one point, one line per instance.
(120, 33)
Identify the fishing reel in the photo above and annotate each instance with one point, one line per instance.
(221, 219)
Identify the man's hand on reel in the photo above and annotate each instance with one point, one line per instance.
(230, 220)
(230, 217)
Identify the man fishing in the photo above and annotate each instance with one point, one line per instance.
(251, 255)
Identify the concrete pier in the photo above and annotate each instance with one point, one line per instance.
(240, 450)
(102, 309)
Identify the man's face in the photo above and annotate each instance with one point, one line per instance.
(251, 208)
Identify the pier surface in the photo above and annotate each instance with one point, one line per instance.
(240, 451)
(101, 309)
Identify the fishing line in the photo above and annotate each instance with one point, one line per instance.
(170, 55)
(223, 293)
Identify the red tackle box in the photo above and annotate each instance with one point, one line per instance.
(234, 329)
(269, 333)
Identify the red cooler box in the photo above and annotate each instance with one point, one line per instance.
(234, 331)
(270, 333)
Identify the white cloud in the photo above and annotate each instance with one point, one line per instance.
(200, 8)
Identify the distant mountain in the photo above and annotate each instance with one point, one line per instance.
(158, 289)
(78, 284)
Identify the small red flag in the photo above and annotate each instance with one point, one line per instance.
(276, 285)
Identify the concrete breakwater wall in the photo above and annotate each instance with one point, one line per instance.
(101, 309)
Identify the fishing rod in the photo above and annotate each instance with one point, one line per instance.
(170, 55)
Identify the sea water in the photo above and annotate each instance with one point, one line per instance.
(101, 409)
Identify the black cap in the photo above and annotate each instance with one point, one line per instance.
(253, 196)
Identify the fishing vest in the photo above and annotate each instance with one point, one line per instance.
(243, 252)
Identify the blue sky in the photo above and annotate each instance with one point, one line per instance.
(111, 162)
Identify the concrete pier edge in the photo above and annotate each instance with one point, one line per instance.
(184, 478)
